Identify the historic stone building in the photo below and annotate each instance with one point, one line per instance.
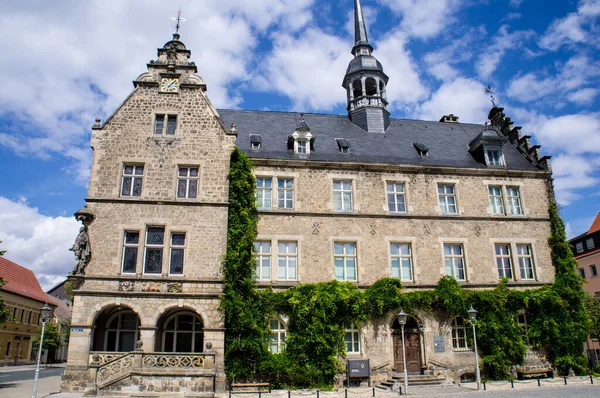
(354, 197)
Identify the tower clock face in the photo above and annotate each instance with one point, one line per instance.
(169, 85)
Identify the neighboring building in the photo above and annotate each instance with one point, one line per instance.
(586, 248)
(62, 319)
(354, 197)
(25, 298)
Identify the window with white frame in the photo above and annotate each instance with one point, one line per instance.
(513, 196)
(459, 334)
(165, 124)
(504, 261)
(582, 272)
(131, 241)
(351, 338)
(447, 197)
(401, 261)
(278, 333)
(525, 257)
(396, 197)
(579, 247)
(454, 260)
(496, 200)
(264, 192)
(155, 241)
(301, 146)
(262, 250)
(345, 261)
(187, 182)
(494, 157)
(287, 260)
(342, 195)
(177, 255)
(589, 243)
(131, 181)
(285, 193)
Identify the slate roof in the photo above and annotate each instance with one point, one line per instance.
(21, 281)
(447, 142)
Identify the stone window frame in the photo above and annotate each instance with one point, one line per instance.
(194, 332)
(133, 176)
(437, 208)
(593, 270)
(509, 256)
(263, 189)
(352, 337)
(280, 330)
(531, 257)
(505, 197)
(395, 194)
(287, 256)
(494, 148)
(455, 241)
(400, 256)
(513, 242)
(342, 191)
(274, 241)
(285, 191)
(260, 256)
(582, 272)
(187, 178)
(496, 200)
(173, 246)
(459, 343)
(154, 246)
(346, 240)
(129, 245)
(165, 128)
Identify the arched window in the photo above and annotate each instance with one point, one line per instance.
(183, 332)
(459, 335)
(352, 338)
(371, 86)
(357, 87)
(278, 332)
(122, 332)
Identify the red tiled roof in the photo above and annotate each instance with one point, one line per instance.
(22, 281)
(595, 225)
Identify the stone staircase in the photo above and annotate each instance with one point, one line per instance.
(397, 380)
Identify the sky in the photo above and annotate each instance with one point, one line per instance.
(66, 62)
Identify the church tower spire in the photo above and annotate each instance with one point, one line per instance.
(365, 82)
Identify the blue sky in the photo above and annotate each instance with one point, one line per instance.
(67, 62)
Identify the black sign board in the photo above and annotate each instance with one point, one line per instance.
(438, 344)
(359, 368)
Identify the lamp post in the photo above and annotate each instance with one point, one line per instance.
(46, 314)
(473, 318)
(402, 321)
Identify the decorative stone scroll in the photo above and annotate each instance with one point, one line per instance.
(153, 361)
(114, 370)
(126, 286)
(175, 287)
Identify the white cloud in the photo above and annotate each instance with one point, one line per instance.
(442, 62)
(573, 173)
(515, 3)
(463, 97)
(424, 18)
(36, 241)
(584, 96)
(504, 40)
(576, 27)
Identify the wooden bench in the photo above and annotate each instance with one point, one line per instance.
(249, 388)
(535, 373)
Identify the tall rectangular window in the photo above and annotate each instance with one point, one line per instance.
(165, 124)
(401, 261)
(351, 338)
(285, 193)
(589, 242)
(345, 261)
(177, 255)
(496, 200)
(130, 252)
(131, 184)
(187, 182)
(579, 247)
(582, 272)
(15, 313)
(447, 196)
(503, 261)
(264, 192)
(301, 145)
(288, 256)
(495, 158)
(525, 256)
(594, 270)
(396, 198)
(263, 260)
(455, 261)
(342, 195)
(155, 241)
(513, 197)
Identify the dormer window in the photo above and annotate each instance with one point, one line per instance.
(422, 149)
(301, 147)
(494, 157)
(255, 142)
(301, 140)
(343, 144)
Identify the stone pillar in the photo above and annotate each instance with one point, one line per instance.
(147, 337)
(79, 346)
(215, 338)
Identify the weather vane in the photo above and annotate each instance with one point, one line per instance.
(489, 91)
(179, 20)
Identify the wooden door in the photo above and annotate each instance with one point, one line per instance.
(413, 352)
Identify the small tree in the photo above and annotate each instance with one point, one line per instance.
(51, 338)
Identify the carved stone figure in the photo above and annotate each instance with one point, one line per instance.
(81, 249)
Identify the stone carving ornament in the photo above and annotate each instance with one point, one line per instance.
(82, 247)
(126, 286)
(175, 287)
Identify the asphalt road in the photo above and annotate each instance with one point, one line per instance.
(11, 377)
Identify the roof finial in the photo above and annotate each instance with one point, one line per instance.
(360, 30)
(489, 91)
(179, 19)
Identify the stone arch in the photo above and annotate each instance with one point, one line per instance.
(357, 88)
(179, 329)
(370, 86)
(415, 343)
(161, 311)
(100, 308)
(115, 328)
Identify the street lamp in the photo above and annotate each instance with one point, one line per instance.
(46, 315)
(473, 318)
(402, 321)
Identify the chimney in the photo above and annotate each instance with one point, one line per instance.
(449, 119)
